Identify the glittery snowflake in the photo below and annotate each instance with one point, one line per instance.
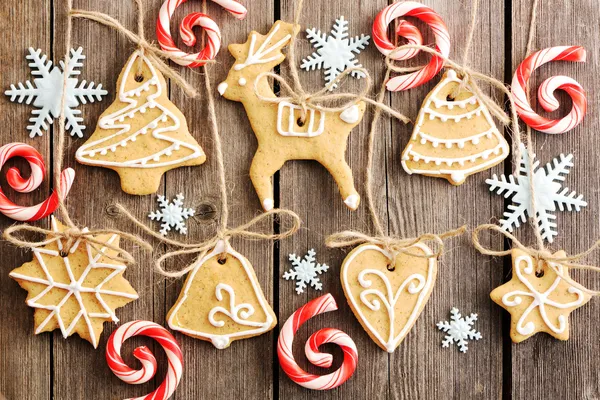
(459, 330)
(46, 92)
(548, 194)
(335, 52)
(172, 214)
(304, 271)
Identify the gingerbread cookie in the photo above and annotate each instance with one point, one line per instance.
(453, 137)
(75, 290)
(281, 134)
(386, 293)
(221, 300)
(538, 302)
(142, 134)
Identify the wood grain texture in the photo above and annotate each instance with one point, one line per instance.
(49, 367)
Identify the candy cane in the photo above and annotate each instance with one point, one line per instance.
(385, 46)
(546, 90)
(27, 185)
(328, 335)
(145, 356)
(213, 34)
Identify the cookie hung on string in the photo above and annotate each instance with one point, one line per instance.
(454, 135)
(282, 134)
(142, 134)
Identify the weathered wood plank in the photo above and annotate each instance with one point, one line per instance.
(420, 367)
(308, 189)
(23, 356)
(543, 366)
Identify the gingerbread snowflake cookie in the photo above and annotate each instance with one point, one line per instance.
(75, 290)
(453, 137)
(282, 134)
(538, 300)
(142, 134)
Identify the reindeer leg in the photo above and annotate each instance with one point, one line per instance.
(341, 172)
(264, 165)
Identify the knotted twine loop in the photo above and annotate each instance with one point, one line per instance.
(569, 262)
(152, 52)
(394, 245)
(248, 230)
(72, 234)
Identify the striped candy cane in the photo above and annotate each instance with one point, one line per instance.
(328, 335)
(213, 34)
(145, 356)
(385, 46)
(27, 185)
(546, 90)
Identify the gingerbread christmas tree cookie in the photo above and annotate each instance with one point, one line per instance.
(142, 134)
(538, 300)
(453, 137)
(75, 290)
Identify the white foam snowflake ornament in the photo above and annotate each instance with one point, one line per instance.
(459, 330)
(305, 271)
(548, 194)
(172, 214)
(335, 53)
(46, 92)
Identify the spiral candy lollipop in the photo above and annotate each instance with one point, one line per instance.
(406, 30)
(546, 90)
(328, 335)
(26, 185)
(145, 356)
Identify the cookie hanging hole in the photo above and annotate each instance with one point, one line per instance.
(63, 253)
(450, 97)
(222, 259)
(391, 267)
(300, 122)
(139, 78)
(539, 273)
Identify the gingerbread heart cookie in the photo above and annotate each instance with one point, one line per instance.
(387, 293)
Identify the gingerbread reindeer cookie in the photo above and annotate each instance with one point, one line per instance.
(278, 126)
(142, 134)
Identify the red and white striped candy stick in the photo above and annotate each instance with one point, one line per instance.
(328, 335)
(546, 90)
(213, 34)
(145, 356)
(385, 46)
(26, 185)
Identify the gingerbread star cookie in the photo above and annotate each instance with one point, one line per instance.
(75, 290)
(538, 302)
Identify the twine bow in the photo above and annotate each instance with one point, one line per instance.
(72, 235)
(393, 245)
(155, 54)
(247, 231)
(569, 262)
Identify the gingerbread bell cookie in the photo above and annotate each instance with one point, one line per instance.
(142, 134)
(454, 136)
(75, 290)
(538, 299)
(221, 300)
(386, 292)
(281, 132)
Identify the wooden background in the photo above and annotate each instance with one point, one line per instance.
(48, 367)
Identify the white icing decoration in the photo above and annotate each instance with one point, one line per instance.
(350, 115)
(75, 287)
(222, 340)
(258, 57)
(85, 153)
(460, 143)
(284, 106)
(241, 82)
(389, 299)
(239, 314)
(539, 299)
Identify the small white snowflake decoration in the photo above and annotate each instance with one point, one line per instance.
(335, 53)
(172, 214)
(459, 330)
(548, 194)
(305, 271)
(46, 92)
